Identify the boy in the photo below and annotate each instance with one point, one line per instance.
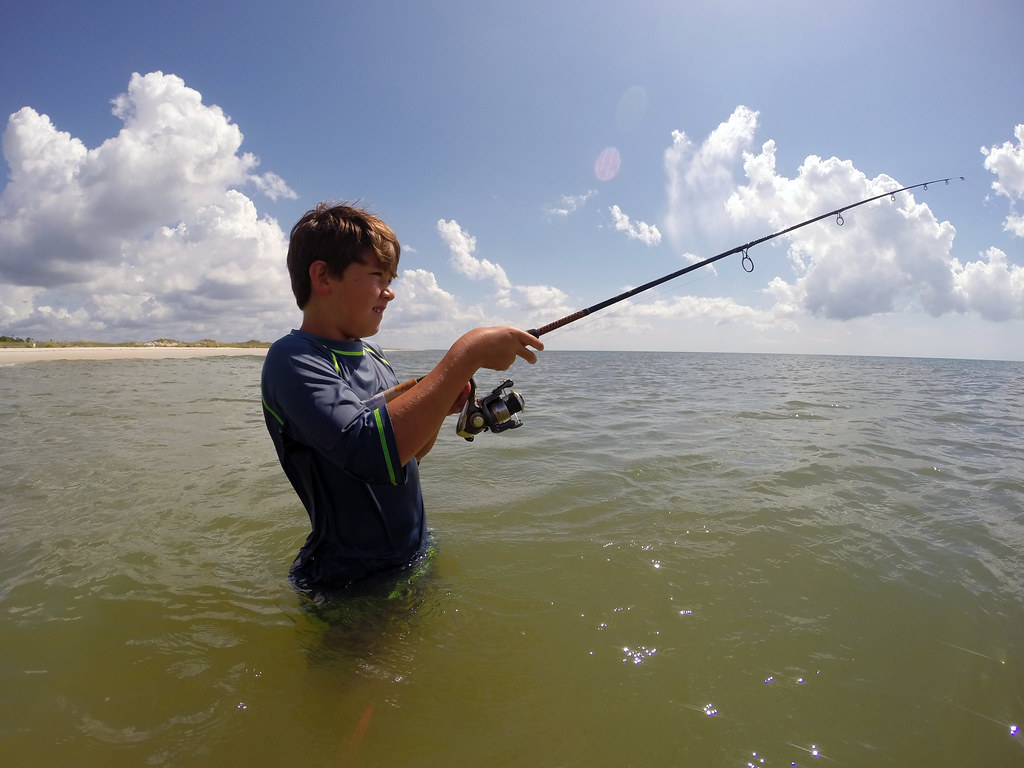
(351, 453)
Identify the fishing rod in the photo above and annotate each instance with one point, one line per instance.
(500, 410)
(746, 262)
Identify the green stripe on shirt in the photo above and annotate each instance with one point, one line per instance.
(384, 445)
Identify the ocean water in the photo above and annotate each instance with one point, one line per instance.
(679, 559)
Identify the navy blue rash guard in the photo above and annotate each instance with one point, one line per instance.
(324, 409)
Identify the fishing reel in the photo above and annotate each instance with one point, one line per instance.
(497, 411)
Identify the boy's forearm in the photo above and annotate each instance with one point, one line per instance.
(418, 412)
(426, 448)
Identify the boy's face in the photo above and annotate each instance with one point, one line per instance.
(360, 296)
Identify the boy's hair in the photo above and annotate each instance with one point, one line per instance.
(339, 235)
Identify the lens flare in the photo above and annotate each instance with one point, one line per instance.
(607, 164)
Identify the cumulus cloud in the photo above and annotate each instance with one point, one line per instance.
(149, 234)
(993, 288)
(569, 204)
(889, 256)
(1007, 163)
(719, 310)
(884, 255)
(461, 247)
(700, 179)
(426, 313)
(647, 234)
(523, 300)
(691, 321)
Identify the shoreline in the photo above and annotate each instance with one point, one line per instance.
(14, 355)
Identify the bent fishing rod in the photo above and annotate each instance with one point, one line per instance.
(499, 410)
(746, 262)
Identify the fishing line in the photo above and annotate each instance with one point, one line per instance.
(746, 262)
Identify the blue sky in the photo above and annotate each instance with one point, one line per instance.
(533, 157)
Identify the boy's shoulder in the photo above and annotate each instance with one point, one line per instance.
(298, 342)
(289, 350)
(298, 345)
(288, 346)
(293, 340)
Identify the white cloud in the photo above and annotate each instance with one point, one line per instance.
(569, 204)
(889, 256)
(520, 304)
(1007, 163)
(693, 258)
(885, 254)
(699, 180)
(647, 234)
(424, 315)
(155, 233)
(993, 288)
(717, 310)
(273, 186)
(148, 234)
(461, 247)
(546, 298)
(846, 288)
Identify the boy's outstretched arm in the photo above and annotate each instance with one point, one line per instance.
(417, 414)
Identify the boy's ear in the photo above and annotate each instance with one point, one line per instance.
(319, 277)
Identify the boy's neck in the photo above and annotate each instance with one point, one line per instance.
(318, 326)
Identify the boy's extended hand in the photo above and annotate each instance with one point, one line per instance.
(497, 347)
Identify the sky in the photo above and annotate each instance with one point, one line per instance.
(534, 158)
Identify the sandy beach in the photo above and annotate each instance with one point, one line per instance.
(33, 355)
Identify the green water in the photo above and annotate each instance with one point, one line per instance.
(717, 560)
